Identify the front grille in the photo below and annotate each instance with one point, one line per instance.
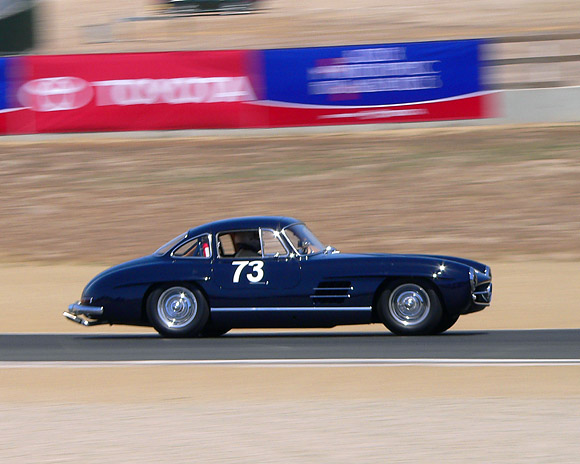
(482, 294)
(481, 288)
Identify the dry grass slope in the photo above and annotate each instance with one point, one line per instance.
(487, 193)
(81, 26)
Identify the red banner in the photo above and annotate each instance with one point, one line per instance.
(471, 107)
(139, 91)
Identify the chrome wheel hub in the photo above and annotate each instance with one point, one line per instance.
(177, 307)
(409, 304)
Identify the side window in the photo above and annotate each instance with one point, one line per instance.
(198, 247)
(271, 244)
(239, 244)
(226, 246)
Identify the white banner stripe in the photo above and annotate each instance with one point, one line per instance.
(283, 104)
(369, 362)
(11, 110)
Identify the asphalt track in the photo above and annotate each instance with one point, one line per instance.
(499, 346)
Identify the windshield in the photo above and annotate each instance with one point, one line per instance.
(169, 245)
(304, 241)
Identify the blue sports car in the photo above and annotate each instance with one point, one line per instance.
(268, 272)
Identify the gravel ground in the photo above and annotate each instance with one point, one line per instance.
(478, 431)
(331, 415)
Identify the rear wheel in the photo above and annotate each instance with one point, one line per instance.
(410, 308)
(177, 311)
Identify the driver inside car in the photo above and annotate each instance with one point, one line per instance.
(247, 244)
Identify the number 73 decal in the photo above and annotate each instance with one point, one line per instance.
(256, 275)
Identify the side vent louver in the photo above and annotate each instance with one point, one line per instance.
(332, 292)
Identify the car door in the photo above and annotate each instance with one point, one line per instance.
(254, 279)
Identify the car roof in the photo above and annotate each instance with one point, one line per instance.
(241, 223)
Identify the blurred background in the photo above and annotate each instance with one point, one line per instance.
(493, 176)
(502, 184)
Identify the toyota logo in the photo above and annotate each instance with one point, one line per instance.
(55, 94)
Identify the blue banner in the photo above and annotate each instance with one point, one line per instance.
(372, 75)
(3, 83)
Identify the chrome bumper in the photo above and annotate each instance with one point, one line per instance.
(84, 315)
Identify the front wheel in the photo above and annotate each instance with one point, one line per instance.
(446, 322)
(410, 308)
(177, 311)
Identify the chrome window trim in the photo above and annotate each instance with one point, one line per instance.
(182, 237)
(278, 237)
(294, 250)
(187, 240)
(283, 231)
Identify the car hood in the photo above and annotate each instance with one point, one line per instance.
(397, 257)
(467, 262)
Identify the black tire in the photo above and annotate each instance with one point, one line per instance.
(177, 310)
(410, 308)
(213, 331)
(446, 322)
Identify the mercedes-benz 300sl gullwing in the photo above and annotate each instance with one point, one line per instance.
(272, 272)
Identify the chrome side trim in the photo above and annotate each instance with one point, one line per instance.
(346, 295)
(301, 308)
(344, 289)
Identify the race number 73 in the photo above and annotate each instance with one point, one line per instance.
(256, 275)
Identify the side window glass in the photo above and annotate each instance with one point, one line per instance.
(226, 246)
(271, 244)
(239, 244)
(197, 248)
